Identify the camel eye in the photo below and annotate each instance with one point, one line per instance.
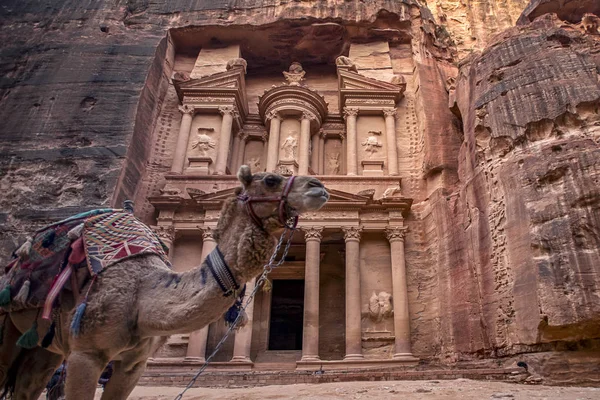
(272, 181)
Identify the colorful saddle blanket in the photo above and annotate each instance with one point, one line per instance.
(101, 237)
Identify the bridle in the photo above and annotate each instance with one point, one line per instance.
(282, 199)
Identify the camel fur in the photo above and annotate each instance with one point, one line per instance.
(137, 303)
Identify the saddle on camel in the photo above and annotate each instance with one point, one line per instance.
(98, 287)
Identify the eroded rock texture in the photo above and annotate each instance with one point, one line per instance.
(528, 248)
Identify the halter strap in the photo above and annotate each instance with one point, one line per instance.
(282, 199)
(221, 272)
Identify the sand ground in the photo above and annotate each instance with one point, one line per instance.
(459, 389)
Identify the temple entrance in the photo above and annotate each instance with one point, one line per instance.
(287, 312)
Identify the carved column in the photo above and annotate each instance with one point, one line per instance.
(353, 318)
(273, 149)
(167, 236)
(243, 336)
(310, 334)
(235, 150)
(303, 158)
(350, 113)
(390, 133)
(196, 350)
(395, 234)
(314, 155)
(242, 136)
(321, 156)
(224, 139)
(183, 138)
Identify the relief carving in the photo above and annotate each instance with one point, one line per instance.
(380, 306)
(203, 142)
(295, 74)
(333, 161)
(186, 109)
(371, 144)
(289, 146)
(351, 232)
(313, 232)
(165, 233)
(284, 170)
(254, 164)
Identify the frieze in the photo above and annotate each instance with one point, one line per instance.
(325, 215)
(374, 217)
(211, 100)
(379, 102)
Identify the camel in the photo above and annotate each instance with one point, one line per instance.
(137, 303)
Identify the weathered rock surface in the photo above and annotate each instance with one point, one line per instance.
(528, 252)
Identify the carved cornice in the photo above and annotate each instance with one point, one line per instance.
(313, 233)
(186, 109)
(395, 233)
(389, 112)
(352, 233)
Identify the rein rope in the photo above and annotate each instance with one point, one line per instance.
(260, 281)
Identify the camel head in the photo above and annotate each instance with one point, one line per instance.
(262, 193)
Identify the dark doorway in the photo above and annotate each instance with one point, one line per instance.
(287, 314)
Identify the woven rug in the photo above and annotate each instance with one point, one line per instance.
(110, 238)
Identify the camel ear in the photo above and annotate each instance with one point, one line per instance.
(245, 175)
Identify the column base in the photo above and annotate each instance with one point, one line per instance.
(190, 359)
(404, 357)
(240, 359)
(310, 358)
(353, 357)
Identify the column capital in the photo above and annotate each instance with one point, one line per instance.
(207, 233)
(389, 112)
(186, 109)
(227, 110)
(352, 233)
(395, 233)
(350, 112)
(312, 233)
(264, 137)
(165, 232)
(273, 115)
(307, 115)
(242, 135)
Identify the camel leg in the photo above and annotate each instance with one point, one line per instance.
(123, 380)
(83, 372)
(9, 349)
(35, 370)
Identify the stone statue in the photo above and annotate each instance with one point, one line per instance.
(333, 160)
(372, 143)
(289, 146)
(254, 164)
(203, 142)
(295, 74)
(393, 191)
(345, 62)
(380, 306)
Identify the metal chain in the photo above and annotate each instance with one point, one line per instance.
(267, 268)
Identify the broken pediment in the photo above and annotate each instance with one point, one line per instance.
(226, 87)
(356, 90)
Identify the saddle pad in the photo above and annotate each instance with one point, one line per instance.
(110, 238)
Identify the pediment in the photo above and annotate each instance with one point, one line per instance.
(354, 81)
(336, 197)
(222, 85)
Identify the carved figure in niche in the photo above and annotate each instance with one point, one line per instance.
(393, 191)
(254, 164)
(333, 160)
(295, 74)
(289, 146)
(203, 142)
(380, 306)
(372, 143)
